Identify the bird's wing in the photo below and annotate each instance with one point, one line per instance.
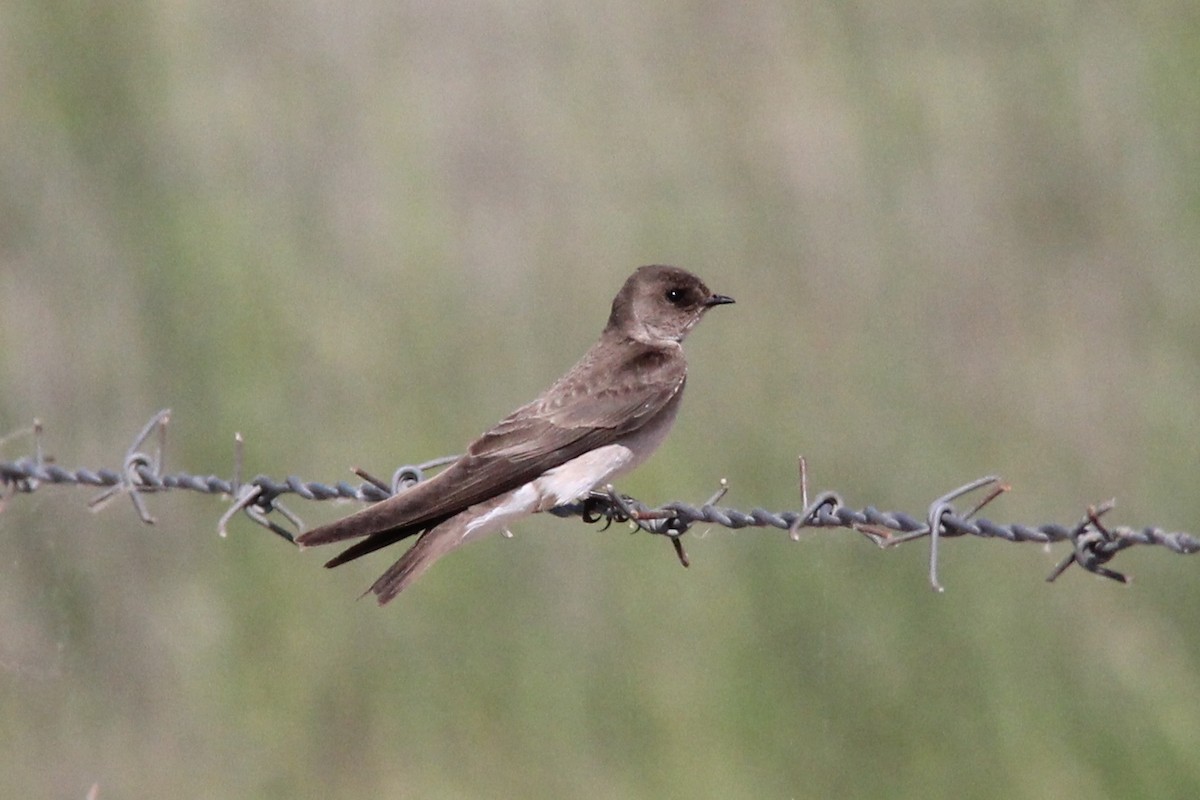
(576, 415)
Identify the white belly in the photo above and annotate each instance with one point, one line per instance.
(565, 483)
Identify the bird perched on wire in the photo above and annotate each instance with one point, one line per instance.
(604, 417)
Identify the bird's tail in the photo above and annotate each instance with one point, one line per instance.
(379, 540)
(415, 561)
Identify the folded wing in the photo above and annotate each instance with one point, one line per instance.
(574, 416)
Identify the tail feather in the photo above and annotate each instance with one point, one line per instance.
(438, 535)
(380, 540)
(408, 511)
(415, 561)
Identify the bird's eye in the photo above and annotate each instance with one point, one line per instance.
(675, 296)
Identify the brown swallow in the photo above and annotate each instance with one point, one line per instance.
(604, 417)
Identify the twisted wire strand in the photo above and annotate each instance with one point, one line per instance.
(1093, 544)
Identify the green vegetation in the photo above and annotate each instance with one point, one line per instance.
(963, 239)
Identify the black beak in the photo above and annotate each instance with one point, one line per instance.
(718, 300)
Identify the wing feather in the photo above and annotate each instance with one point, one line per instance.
(577, 414)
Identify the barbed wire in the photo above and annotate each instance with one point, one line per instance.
(1093, 544)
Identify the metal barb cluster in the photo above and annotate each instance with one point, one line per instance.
(1093, 544)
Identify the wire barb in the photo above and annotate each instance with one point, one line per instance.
(1093, 544)
(139, 472)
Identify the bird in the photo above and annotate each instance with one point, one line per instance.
(601, 419)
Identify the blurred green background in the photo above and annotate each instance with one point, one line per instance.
(963, 238)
